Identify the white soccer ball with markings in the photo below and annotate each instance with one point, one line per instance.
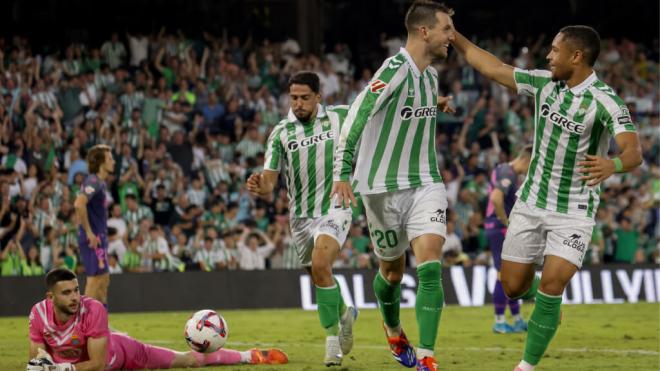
(206, 331)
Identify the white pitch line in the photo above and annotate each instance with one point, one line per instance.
(644, 352)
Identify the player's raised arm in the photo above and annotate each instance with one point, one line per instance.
(484, 62)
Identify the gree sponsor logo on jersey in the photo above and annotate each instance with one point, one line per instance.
(377, 86)
(295, 145)
(574, 242)
(408, 112)
(561, 120)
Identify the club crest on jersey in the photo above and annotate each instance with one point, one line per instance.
(561, 120)
(408, 112)
(377, 86)
(294, 145)
(89, 190)
(624, 116)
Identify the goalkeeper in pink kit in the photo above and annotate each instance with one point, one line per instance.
(69, 332)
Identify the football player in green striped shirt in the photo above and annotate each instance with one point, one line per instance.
(576, 114)
(302, 147)
(397, 175)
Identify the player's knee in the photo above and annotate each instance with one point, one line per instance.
(393, 276)
(512, 288)
(322, 274)
(552, 286)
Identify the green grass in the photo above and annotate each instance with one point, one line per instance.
(591, 337)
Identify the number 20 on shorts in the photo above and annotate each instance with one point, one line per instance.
(386, 239)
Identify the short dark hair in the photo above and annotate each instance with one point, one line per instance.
(306, 78)
(422, 13)
(585, 39)
(59, 274)
(96, 157)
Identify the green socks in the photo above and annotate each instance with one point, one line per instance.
(342, 306)
(428, 306)
(531, 292)
(389, 296)
(327, 299)
(541, 327)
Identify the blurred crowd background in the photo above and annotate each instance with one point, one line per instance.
(188, 117)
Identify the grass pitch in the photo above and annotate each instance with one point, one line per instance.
(591, 337)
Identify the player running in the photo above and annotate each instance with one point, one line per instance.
(90, 205)
(69, 332)
(398, 178)
(302, 146)
(576, 114)
(502, 188)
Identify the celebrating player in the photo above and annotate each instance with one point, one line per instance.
(398, 178)
(303, 146)
(93, 232)
(502, 187)
(576, 115)
(69, 332)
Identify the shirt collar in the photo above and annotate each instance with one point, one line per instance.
(320, 113)
(581, 87)
(411, 62)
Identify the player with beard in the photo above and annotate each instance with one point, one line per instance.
(302, 147)
(69, 332)
(394, 119)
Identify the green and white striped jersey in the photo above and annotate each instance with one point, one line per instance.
(304, 152)
(393, 119)
(569, 124)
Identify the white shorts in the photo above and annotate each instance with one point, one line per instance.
(396, 218)
(534, 233)
(305, 231)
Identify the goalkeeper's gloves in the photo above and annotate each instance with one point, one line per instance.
(44, 362)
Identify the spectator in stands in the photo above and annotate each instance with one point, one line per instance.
(254, 247)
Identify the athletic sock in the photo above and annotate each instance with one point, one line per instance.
(429, 302)
(221, 357)
(342, 306)
(388, 296)
(542, 326)
(499, 299)
(533, 288)
(327, 299)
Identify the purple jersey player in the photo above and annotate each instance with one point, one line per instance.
(502, 188)
(93, 232)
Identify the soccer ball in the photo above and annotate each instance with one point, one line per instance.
(206, 331)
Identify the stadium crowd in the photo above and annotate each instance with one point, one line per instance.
(188, 119)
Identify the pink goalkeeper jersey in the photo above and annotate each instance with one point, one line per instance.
(68, 342)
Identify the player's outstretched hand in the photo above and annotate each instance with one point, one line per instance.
(44, 362)
(344, 194)
(596, 169)
(444, 104)
(254, 184)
